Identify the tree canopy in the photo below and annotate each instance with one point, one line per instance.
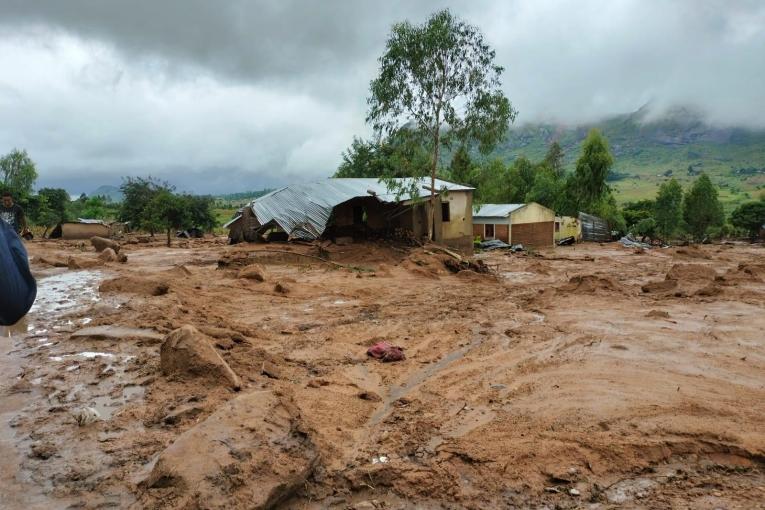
(749, 216)
(701, 207)
(18, 173)
(668, 208)
(439, 78)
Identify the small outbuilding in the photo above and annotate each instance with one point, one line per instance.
(529, 224)
(81, 229)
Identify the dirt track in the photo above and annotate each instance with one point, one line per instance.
(584, 377)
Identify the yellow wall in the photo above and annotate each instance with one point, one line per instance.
(532, 213)
(568, 227)
(461, 215)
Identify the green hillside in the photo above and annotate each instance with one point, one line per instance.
(679, 145)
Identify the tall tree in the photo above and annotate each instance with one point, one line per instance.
(18, 172)
(493, 183)
(521, 176)
(441, 77)
(586, 188)
(702, 208)
(668, 209)
(750, 217)
(461, 169)
(57, 200)
(547, 188)
(554, 159)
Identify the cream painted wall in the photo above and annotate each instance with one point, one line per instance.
(532, 213)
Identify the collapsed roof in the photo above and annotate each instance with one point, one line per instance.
(303, 210)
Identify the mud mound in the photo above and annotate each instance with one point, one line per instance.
(691, 272)
(135, 285)
(187, 352)
(253, 272)
(659, 286)
(108, 255)
(75, 263)
(537, 267)
(102, 243)
(589, 284)
(709, 291)
(657, 314)
(748, 271)
(49, 261)
(250, 453)
(691, 252)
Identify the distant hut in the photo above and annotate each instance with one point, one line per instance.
(81, 229)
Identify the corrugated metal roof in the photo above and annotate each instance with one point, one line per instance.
(496, 210)
(302, 210)
(88, 221)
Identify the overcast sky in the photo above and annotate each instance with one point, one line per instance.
(237, 95)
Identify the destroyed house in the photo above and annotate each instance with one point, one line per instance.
(358, 208)
(529, 224)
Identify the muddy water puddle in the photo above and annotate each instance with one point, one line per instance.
(38, 336)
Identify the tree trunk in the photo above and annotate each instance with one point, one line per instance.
(432, 208)
(168, 238)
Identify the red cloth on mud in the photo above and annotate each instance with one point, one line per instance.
(386, 352)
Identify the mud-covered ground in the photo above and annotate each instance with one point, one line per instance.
(581, 377)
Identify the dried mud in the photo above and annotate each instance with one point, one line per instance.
(557, 381)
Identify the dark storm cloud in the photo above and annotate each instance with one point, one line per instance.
(268, 92)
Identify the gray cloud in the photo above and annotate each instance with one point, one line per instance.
(270, 92)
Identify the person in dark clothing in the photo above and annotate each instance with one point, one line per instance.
(13, 214)
(18, 288)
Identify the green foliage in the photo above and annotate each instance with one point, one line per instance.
(668, 210)
(589, 181)
(57, 200)
(462, 170)
(440, 73)
(94, 207)
(608, 209)
(547, 189)
(521, 176)
(635, 212)
(702, 208)
(200, 211)
(400, 155)
(493, 183)
(18, 173)
(165, 211)
(749, 217)
(152, 205)
(554, 160)
(645, 228)
(138, 192)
